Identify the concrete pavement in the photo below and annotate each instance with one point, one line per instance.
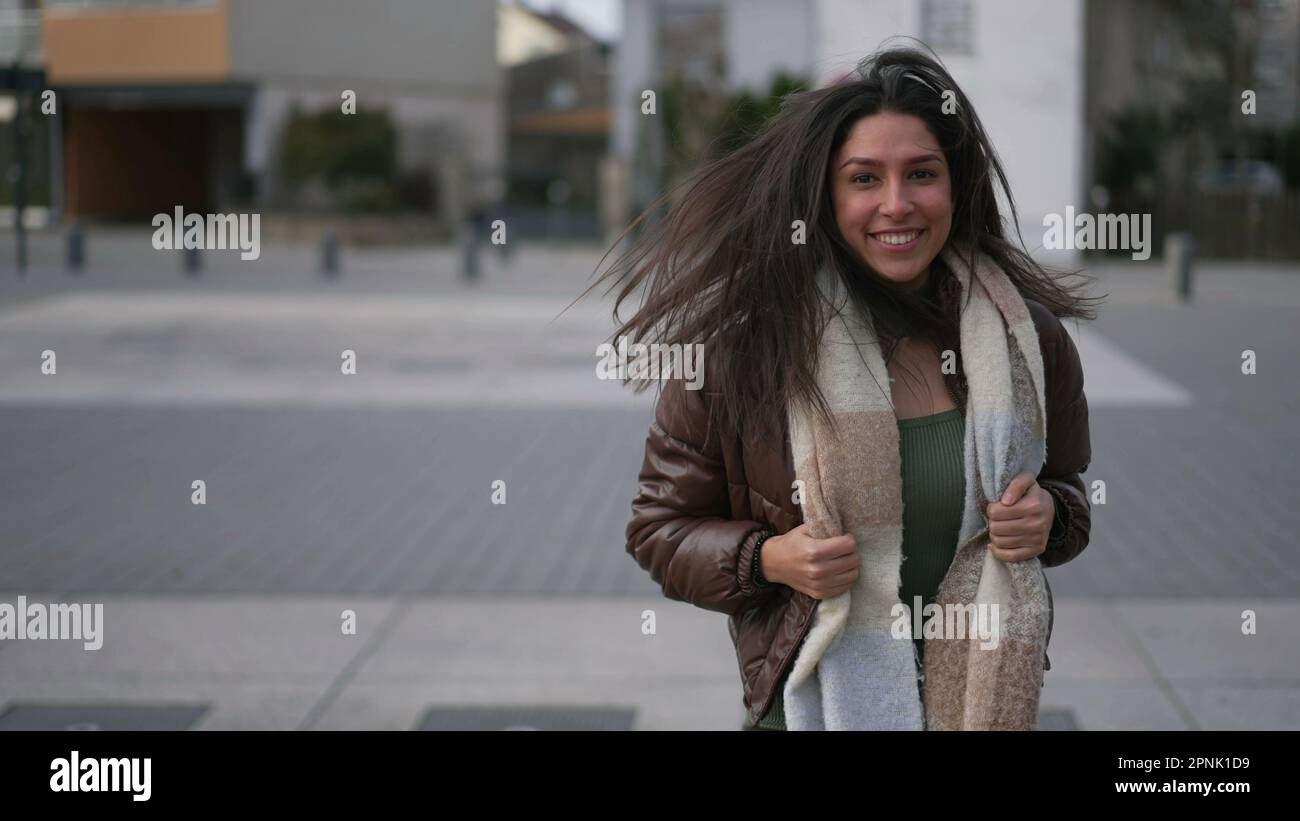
(283, 662)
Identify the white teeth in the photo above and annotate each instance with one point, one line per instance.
(897, 239)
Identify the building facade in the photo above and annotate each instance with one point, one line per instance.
(166, 102)
(1020, 61)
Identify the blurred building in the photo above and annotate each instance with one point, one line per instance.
(183, 102)
(1167, 128)
(1020, 61)
(525, 33)
(557, 80)
(1125, 106)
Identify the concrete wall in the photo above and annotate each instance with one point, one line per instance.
(848, 30)
(764, 36)
(446, 46)
(633, 71)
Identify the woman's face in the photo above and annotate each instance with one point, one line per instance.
(893, 195)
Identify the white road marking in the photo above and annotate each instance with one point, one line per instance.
(1113, 379)
(159, 348)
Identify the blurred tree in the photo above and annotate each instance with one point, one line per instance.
(1222, 40)
(1129, 151)
(353, 155)
(749, 113)
(702, 122)
(1130, 146)
(692, 108)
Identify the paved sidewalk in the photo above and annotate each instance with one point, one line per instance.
(282, 662)
(380, 482)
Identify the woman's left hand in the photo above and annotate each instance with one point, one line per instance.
(1020, 522)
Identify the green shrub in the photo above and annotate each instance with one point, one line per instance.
(352, 153)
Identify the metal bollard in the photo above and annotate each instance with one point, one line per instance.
(469, 251)
(190, 261)
(1180, 251)
(76, 257)
(329, 255)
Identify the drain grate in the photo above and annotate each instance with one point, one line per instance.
(60, 717)
(527, 718)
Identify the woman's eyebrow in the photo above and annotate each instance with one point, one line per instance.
(920, 158)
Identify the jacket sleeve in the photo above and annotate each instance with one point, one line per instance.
(681, 529)
(1069, 447)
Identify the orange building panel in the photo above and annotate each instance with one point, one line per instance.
(137, 44)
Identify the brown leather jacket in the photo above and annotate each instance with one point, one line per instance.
(707, 492)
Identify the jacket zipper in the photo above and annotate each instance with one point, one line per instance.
(1051, 618)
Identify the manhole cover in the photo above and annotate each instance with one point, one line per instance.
(527, 718)
(90, 717)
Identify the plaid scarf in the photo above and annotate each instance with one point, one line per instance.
(858, 669)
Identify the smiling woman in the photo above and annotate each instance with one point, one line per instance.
(860, 369)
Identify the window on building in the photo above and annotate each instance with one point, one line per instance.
(948, 26)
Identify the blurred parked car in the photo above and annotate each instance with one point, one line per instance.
(1262, 177)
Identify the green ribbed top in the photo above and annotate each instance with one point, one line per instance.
(934, 486)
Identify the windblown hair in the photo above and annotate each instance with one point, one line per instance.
(721, 268)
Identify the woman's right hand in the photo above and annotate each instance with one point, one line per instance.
(821, 568)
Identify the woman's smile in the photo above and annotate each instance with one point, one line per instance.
(898, 240)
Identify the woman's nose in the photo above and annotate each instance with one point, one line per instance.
(897, 203)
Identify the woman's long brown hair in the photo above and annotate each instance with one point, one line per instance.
(721, 268)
